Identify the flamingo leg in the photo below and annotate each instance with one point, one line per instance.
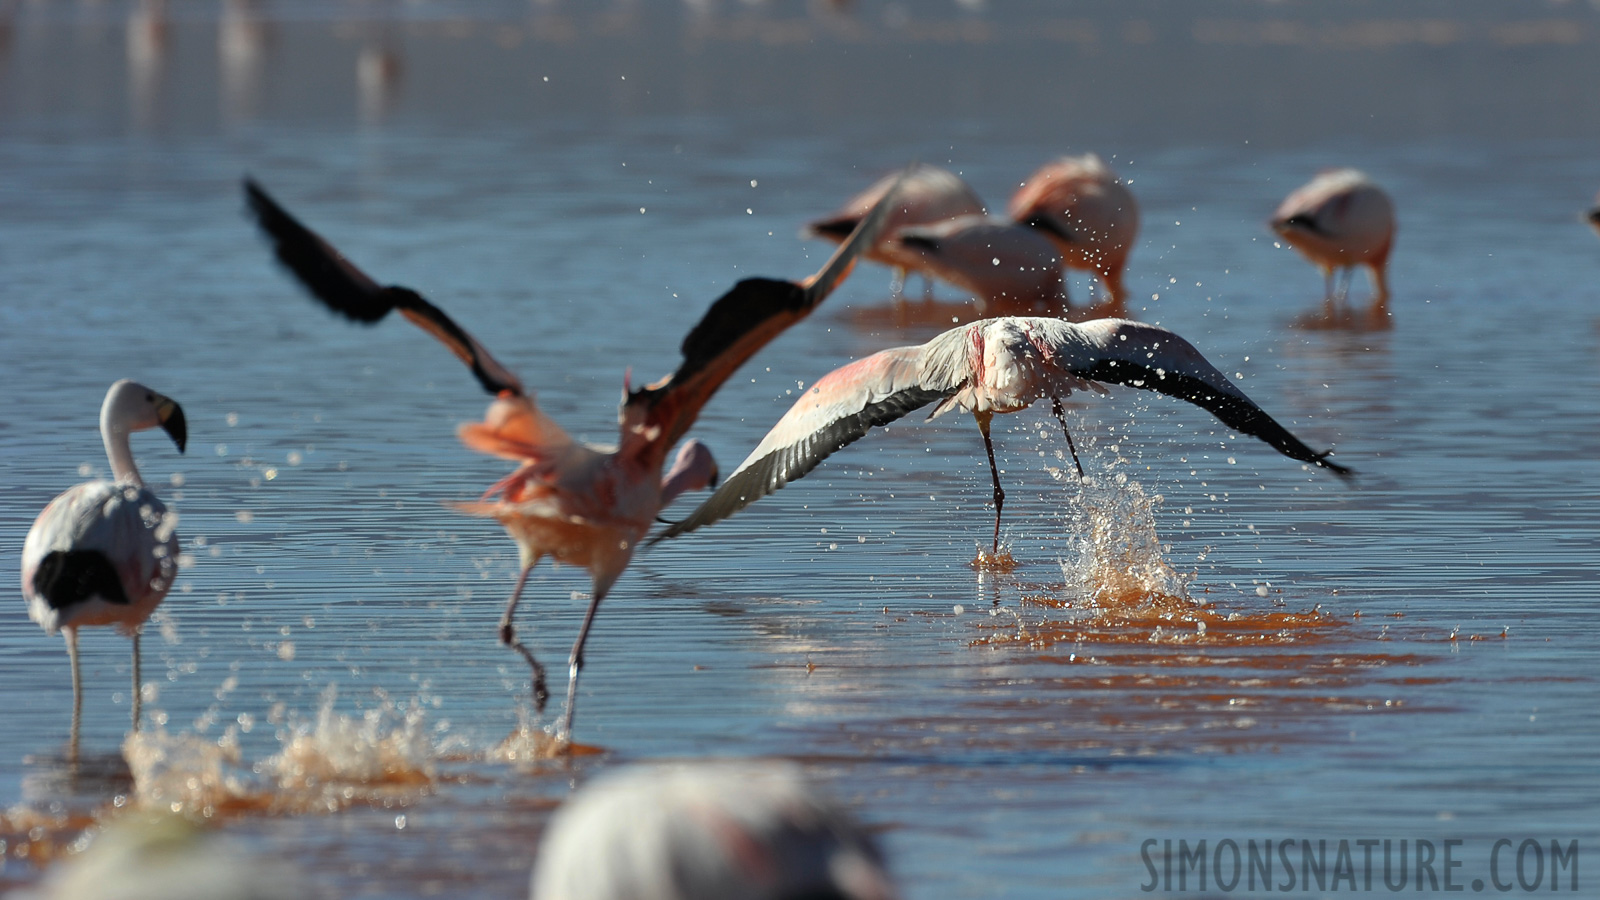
(138, 686)
(71, 635)
(927, 288)
(994, 473)
(1327, 289)
(575, 664)
(508, 636)
(1061, 416)
(897, 285)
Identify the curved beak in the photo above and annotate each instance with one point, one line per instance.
(170, 415)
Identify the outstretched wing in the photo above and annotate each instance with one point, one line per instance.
(328, 276)
(1117, 351)
(832, 414)
(738, 324)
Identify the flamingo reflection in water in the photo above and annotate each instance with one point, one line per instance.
(582, 505)
(987, 367)
(106, 552)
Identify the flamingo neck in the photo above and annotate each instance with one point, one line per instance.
(693, 470)
(115, 434)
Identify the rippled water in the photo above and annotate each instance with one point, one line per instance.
(1208, 641)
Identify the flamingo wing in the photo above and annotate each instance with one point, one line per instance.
(832, 414)
(331, 278)
(737, 325)
(1117, 351)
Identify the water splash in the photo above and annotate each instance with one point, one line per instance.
(326, 764)
(1117, 557)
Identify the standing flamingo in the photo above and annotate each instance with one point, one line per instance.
(1087, 212)
(105, 552)
(987, 367)
(581, 504)
(1009, 269)
(708, 830)
(927, 194)
(1340, 220)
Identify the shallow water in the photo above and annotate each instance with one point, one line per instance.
(1407, 657)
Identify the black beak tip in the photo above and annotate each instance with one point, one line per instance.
(177, 428)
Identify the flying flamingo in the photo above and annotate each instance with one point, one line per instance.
(927, 194)
(1009, 269)
(706, 830)
(987, 367)
(105, 552)
(583, 505)
(1339, 220)
(1087, 212)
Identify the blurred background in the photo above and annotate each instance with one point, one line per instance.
(1410, 657)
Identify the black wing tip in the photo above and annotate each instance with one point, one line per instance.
(1044, 223)
(920, 241)
(1345, 473)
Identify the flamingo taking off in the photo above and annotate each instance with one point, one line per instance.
(1340, 220)
(927, 194)
(583, 505)
(1087, 212)
(105, 552)
(709, 830)
(1009, 269)
(987, 367)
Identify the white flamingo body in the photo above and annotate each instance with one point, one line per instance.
(724, 831)
(1087, 212)
(988, 367)
(582, 504)
(123, 524)
(1339, 220)
(1008, 268)
(926, 195)
(106, 552)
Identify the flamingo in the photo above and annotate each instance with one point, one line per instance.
(1087, 212)
(756, 831)
(584, 505)
(1009, 269)
(1340, 220)
(1594, 214)
(927, 194)
(987, 367)
(106, 552)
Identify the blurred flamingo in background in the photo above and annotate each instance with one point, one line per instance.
(1339, 220)
(1594, 214)
(988, 367)
(1009, 269)
(1088, 213)
(584, 505)
(927, 194)
(708, 830)
(106, 552)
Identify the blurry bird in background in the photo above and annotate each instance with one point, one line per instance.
(1340, 220)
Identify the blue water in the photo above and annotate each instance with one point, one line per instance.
(582, 237)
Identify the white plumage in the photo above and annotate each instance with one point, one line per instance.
(106, 552)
